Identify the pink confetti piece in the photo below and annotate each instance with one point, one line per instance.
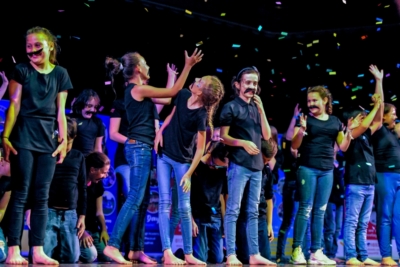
(101, 108)
(13, 59)
(387, 75)
(61, 10)
(283, 80)
(107, 83)
(271, 81)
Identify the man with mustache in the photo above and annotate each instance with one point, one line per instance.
(243, 125)
(90, 128)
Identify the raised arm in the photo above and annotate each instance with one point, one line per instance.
(153, 92)
(160, 102)
(377, 121)
(368, 120)
(290, 130)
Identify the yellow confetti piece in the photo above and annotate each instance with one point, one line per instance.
(334, 34)
(316, 55)
(371, 104)
(86, 4)
(394, 99)
(199, 43)
(146, 9)
(378, 22)
(315, 41)
(387, 6)
(341, 108)
(338, 44)
(309, 45)
(353, 97)
(300, 43)
(332, 73)
(344, 83)
(236, 55)
(188, 12)
(223, 14)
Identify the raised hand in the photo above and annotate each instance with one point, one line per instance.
(377, 99)
(172, 70)
(303, 121)
(375, 71)
(196, 57)
(296, 111)
(353, 123)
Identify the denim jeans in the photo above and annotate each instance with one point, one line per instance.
(208, 244)
(61, 241)
(3, 247)
(388, 211)
(238, 177)
(174, 218)
(90, 254)
(314, 187)
(138, 156)
(241, 240)
(164, 167)
(332, 227)
(358, 200)
(32, 174)
(137, 227)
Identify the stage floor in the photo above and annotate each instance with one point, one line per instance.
(147, 265)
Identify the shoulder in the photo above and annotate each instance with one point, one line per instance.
(334, 119)
(23, 66)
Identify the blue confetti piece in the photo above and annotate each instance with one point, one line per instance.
(341, 169)
(369, 164)
(308, 67)
(259, 28)
(379, 19)
(371, 81)
(236, 45)
(378, 29)
(338, 47)
(316, 64)
(360, 75)
(213, 210)
(219, 70)
(301, 52)
(256, 49)
(391, 166)
(304, 88)
(335, 102)
(348, 86)
(329, 70)
(370, 95)
(398, 65)
(273, 71)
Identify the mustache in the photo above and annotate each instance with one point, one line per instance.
(250, 90)
(90, 112)
(35, 53)
(310, 107)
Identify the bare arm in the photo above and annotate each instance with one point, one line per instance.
(4, 203)
(377, 122)
(15, 91)
(98, 144)
(113, 130)
(249, 146)
(4, 85)
(270, 208)
(290, 130)
(265, 129)
(62, 127)
(170, 83)
(100, 214)
(368, 120)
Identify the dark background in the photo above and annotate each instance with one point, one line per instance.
(90, 30)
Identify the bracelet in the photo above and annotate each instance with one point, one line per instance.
(351, 137)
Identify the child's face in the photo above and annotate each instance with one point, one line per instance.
(38, 48)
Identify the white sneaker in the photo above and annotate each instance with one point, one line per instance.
(319, 258)
(298, 257)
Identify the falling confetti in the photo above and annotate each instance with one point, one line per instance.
(256, 49)
(13, 59)
(259, 28)
(332, 73)
(315, 42)
(188, 12)
(334, 34)
(219, 70)
(236, 45)
(107, 83)
(308, 67)
(86, 4)
(284, 33)
(303, 89)
(353, 97)
(387, 75)
(360, 75)
(223, 14)
(199, 43)
(309, 45)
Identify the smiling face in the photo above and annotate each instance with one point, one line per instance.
(199, 84)
(96, 175)
(38, 48)
(247, 86)
(91, 107)
(390, 118)
(143, 69)
(316, 104)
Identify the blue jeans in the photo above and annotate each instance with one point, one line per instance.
(164, 167)
(332, 227)
(90, 254)
(208, 245)
(263, 241)
(388, 211)
(3, 248)
(138, 156)
(314, 187)
(137, 226)
(174, 219)
(358, 200)
(61, 241)
(238, 177)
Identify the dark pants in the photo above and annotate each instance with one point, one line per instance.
(32, 174)
(241, 240)
(208, 244)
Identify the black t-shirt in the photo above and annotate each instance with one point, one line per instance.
(207, 185)
(88, 131)
(68, 187)
(141, 117)
(386, 150)
(36, 123)
(289, 165)
(360, 162)
(245, 124)
(94, 191)
(179, 136)
(278, 165)
(337, 193)
(118, 111)
(266, 193)
(316, 150)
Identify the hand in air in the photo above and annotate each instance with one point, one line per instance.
(296, 111)
(353, 123)
(377, 99)
(196, 57)
(172, 70)
(303, 121)
(375, 71)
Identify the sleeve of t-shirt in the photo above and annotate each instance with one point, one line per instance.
(226, 117)
(99, 189)
(100, 126)
(156, 115)
(201, 122)
(64, 81)
(340, 125)
(176, 99)
(82, 195)
(19, 74)
(115, 111)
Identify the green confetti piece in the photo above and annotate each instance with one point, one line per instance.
(391, 166)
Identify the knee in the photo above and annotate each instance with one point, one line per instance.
(184, 209)
(305, 211)
(88, 255)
